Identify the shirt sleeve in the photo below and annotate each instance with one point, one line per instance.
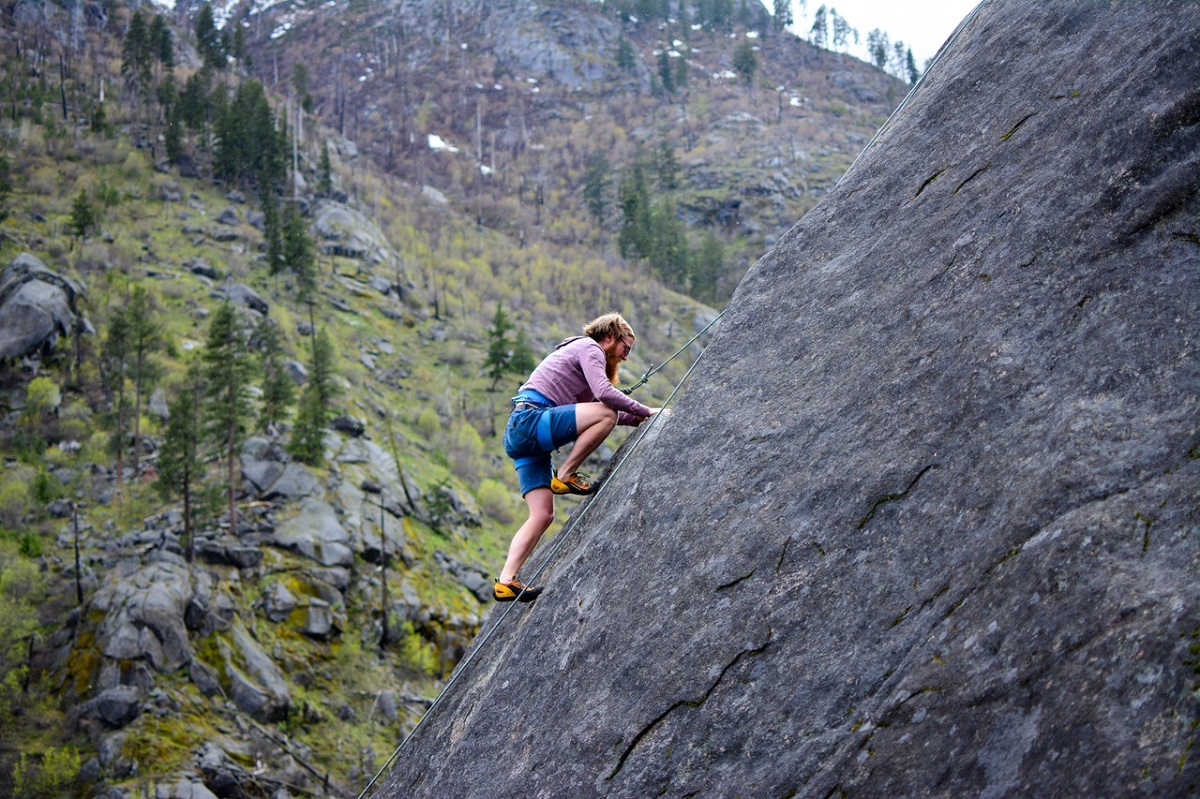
(591, 361)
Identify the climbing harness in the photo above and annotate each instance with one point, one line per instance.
(650, 372)
(559, 540)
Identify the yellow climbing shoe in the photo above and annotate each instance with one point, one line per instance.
(575, 484)
(507, 592)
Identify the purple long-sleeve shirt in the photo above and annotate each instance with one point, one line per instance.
(575, 372)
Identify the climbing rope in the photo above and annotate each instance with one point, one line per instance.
(651, 372)
(574, 521)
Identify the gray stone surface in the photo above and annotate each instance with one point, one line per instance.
(315, 532)
(37, 306)
(924, 521)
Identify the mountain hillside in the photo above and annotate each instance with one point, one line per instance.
(503, 106)
(253, 581)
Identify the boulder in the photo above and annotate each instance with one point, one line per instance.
(143, 615)
(37, 307)
(241, 294)
(315, 532)
(115, 706)
(278, 602)
(923, 521)
(257, 685)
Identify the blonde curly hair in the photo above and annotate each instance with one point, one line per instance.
(610, 324)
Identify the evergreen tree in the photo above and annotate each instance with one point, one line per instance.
(249, 148)
(706, 266)
(783, 15)
(180, 465)
(626, 56)
(278, 393)
(145, 339)
(325, 173)
(499, 354)
(84, 216)
(843, 33)
(681, 71)
(745, 62)
(877, 48)
(910, 67)
(596, 183)
(228, 371)
(137, 54)
(818, 34)
(114, 365)
(665, 72)
(634, 240)
(307, 443)
(666, 167)
(669, 250)
(162, 42)
(173, 137)
(208, 38)
(299, 255)
(316, 405)
(523, 360)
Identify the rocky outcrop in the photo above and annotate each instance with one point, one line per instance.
(37, 307)
(923, 522)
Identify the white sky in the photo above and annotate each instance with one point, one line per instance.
(923, 25)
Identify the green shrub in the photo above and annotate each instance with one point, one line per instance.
(14, 501)
(429, 424)
(497, 500)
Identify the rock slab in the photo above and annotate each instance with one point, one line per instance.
(939, 535)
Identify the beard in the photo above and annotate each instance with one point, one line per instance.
(612, 364)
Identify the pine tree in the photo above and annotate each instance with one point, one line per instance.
(665, 72)
(84, 216)
(745, 62)
(596, 183)
(180, 465)
(877, 47)
(635, 237)
(162, 42)
(818, 34)
(316, 405)
(137, 54)
(666, 167)
(208, 38)
(499, 354)
(783, 15)
(523, 360)
(228, 371)
(299, 255)
(145, 339)
(278, 392)
(626, 56)
(114, 365)
(325, 173)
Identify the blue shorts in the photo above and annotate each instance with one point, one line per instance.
(531, 435)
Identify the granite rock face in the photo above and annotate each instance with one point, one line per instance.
(926, 519)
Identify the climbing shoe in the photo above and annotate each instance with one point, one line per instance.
(507, 592)
(575, 484)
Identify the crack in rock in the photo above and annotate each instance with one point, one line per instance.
(637, 739)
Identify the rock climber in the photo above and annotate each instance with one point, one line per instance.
(570, 396)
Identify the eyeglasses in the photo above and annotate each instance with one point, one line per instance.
(628, 345)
